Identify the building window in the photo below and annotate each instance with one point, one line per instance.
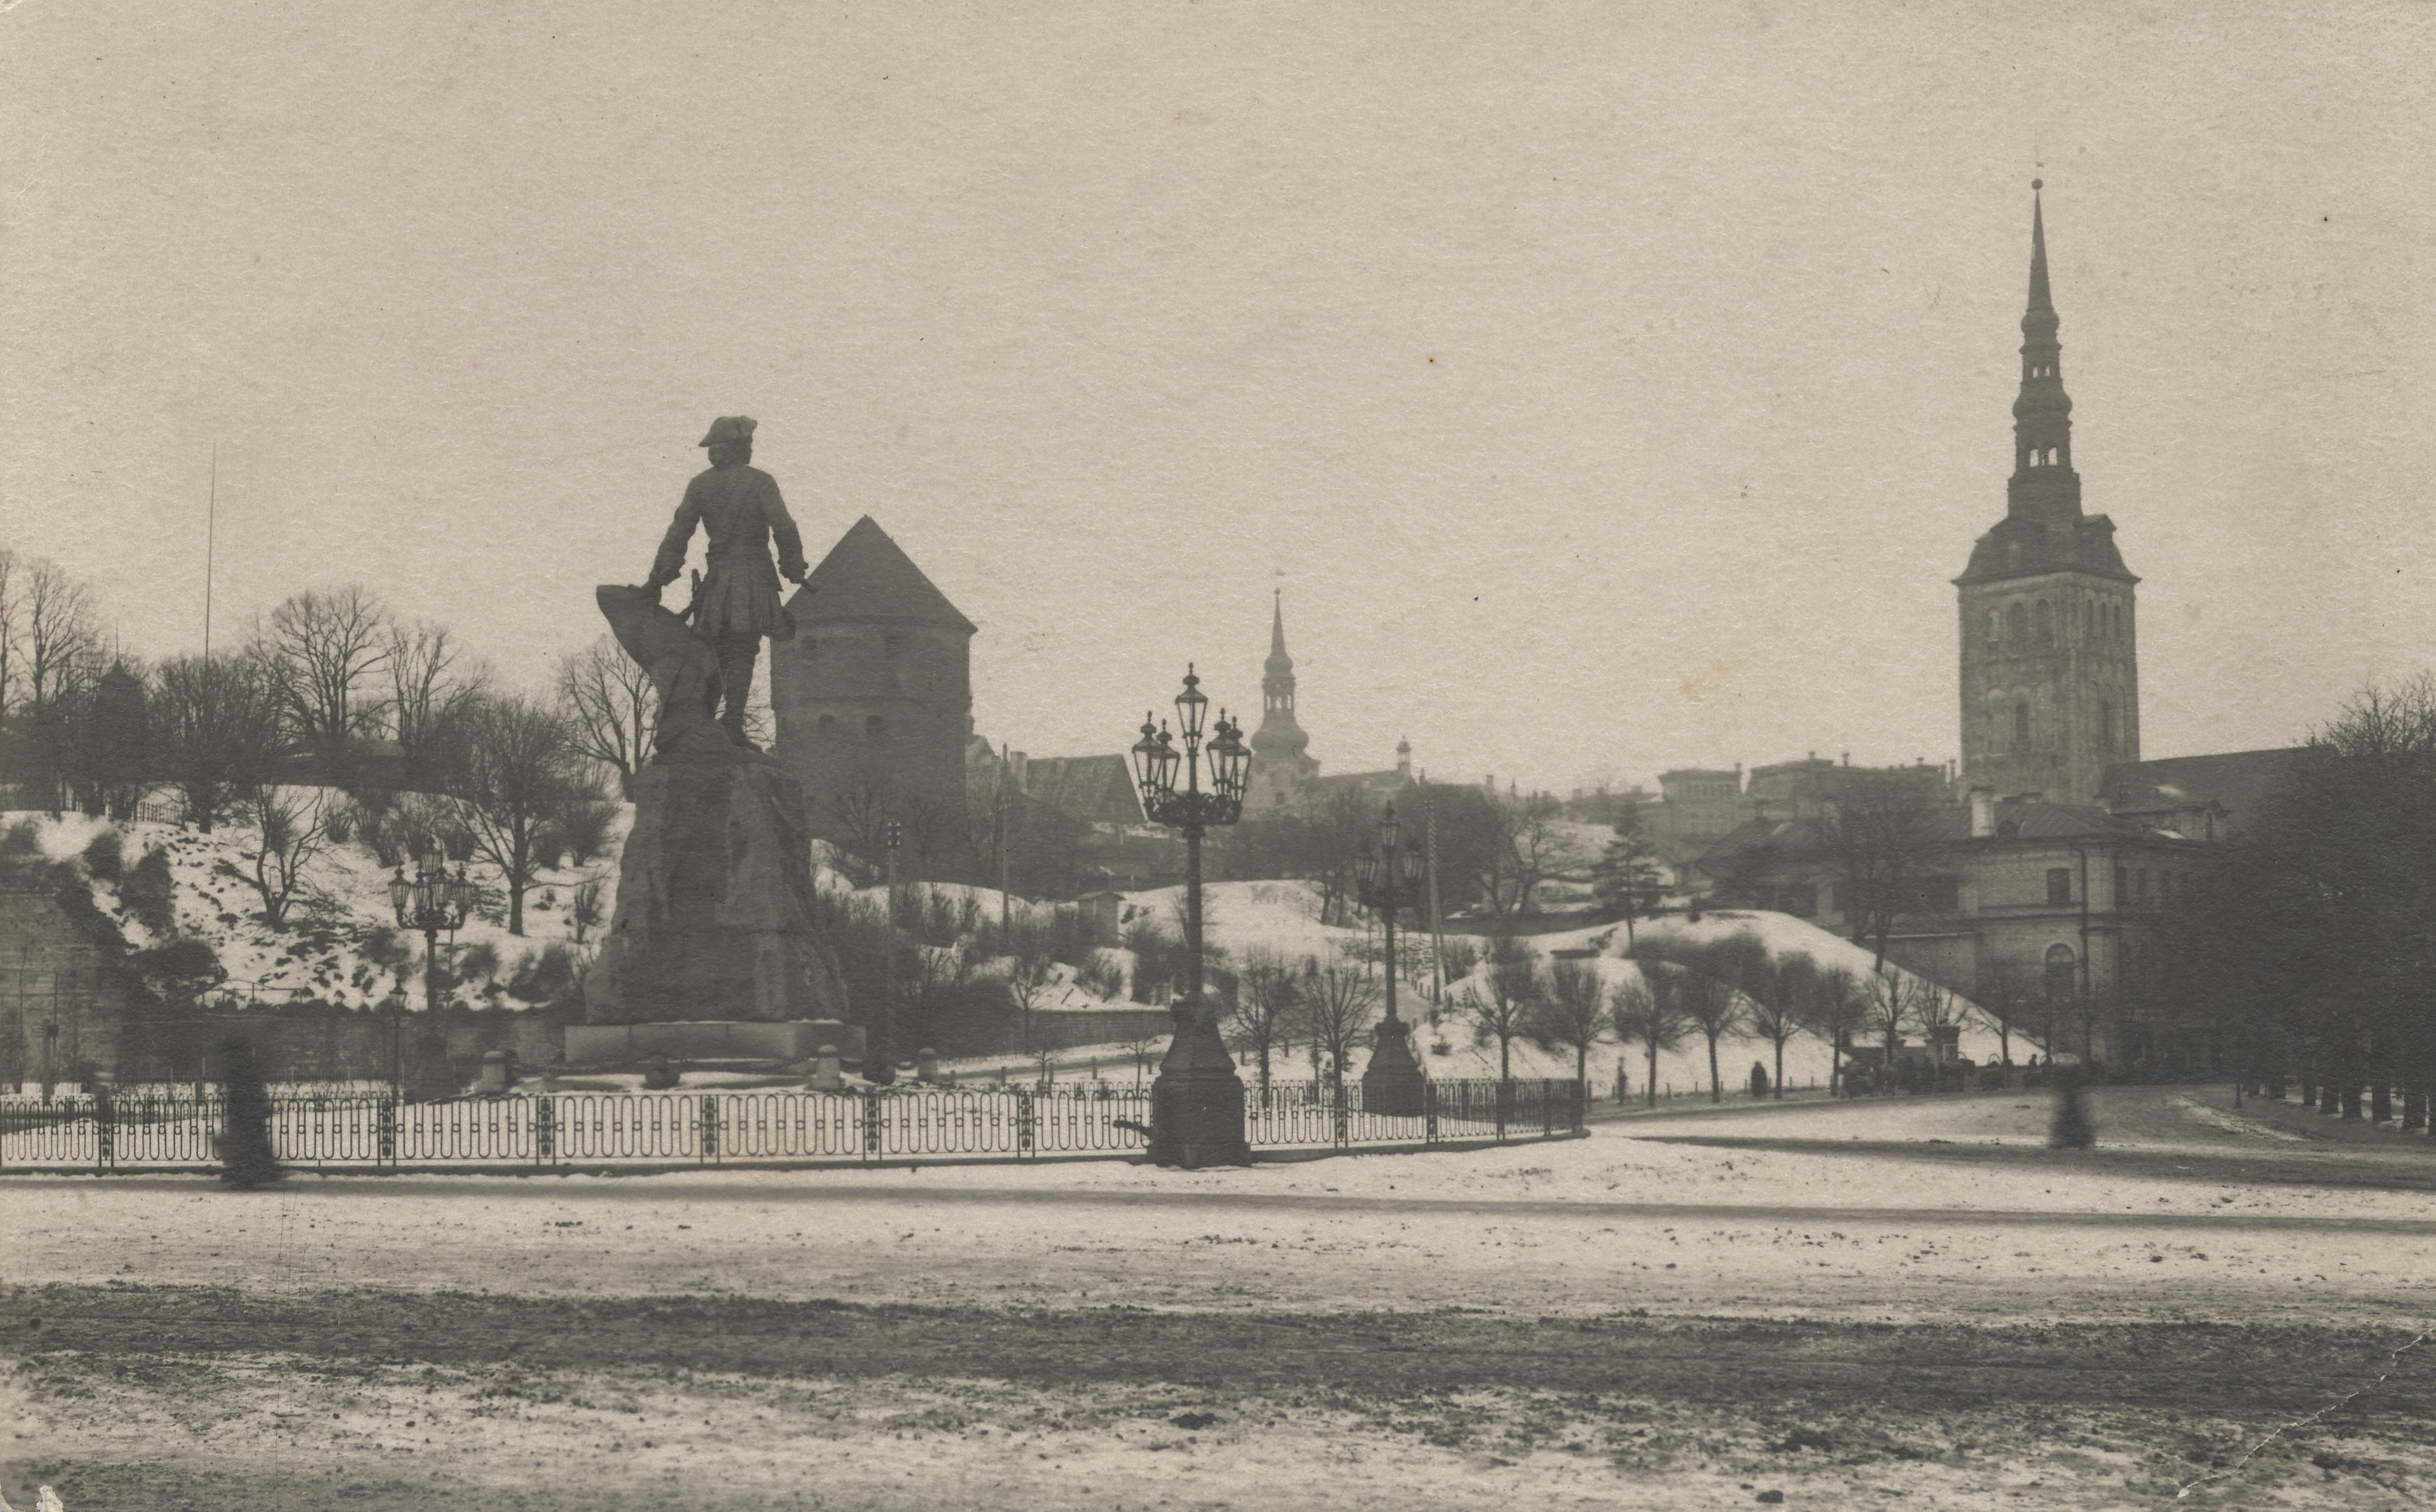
(875, 728)
(2046, 624)
(2017, 623)
(2140, 887)
(2106, 725)
(2059, 965)
(1995, 628)
(828, 724)
(2059, 887)
(2021, 726)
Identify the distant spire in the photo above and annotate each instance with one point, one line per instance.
(1277, 622)
(2043, 481)
(1278, 734)
(2039, 297)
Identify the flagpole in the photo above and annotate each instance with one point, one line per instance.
(211, 541)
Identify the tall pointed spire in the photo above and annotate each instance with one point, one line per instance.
(2044, 483)
(1278, 734)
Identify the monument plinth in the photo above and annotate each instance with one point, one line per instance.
(713, 920)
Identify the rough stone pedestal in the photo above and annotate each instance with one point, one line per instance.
(1392, 1084)
(1196, 1105)
(714, 911)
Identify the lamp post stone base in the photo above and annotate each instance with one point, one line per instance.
(1196, 1105)
(1392, 1084)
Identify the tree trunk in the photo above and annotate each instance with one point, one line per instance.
(1715, 1093)
(1649, 1089)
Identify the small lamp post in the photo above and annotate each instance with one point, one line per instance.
(1389, 880)
(431, 901)
(394, 1005)
(1197, 1102)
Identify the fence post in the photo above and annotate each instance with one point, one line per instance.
(385, 1134)
(871, 1125)
(545, 1131)
(1576, 1108)
(103, 1156)
(709, 1150)
(1022, 1125)
(1429, 1112)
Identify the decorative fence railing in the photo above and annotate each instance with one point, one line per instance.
(723, 1128)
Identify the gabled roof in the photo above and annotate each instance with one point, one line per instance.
(1096, 787)
(868, 577)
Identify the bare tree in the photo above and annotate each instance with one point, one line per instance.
(1649, 1012)
(1711, 998)
(218, 729)
(1267, 1003)
(1031, 976)
(324, 653)
(518, 774)
(1337, 997)
(292, 828)
(1879, 831)
(1779, 990)
(584, 909)
(2007, 1004)
(10, 576)
(54, 656)
(1889, 1007)
(1572, 1013)
(432, 688)
(1834, 1010)
(610, 707)
(1499, 1001)
(1534, 843)
(864, 805)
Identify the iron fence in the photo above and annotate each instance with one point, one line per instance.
(547, 1129)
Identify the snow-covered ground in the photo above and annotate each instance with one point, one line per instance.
(1621, 1320)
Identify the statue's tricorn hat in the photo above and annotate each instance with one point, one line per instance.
(728, 427)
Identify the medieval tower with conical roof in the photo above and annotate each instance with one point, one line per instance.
(872, 698)
(2050, 684)
(1282, 761)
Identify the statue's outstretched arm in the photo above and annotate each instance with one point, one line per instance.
(670, 560)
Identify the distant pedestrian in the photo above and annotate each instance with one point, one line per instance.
(246, 1160)
(2070, 1128)
(1758, 1080)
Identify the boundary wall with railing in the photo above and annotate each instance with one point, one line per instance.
(720, 1128)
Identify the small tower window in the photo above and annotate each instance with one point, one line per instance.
(2046, 624)
(2106, 726)
(2088, 620)
(875, 728)
(2021, 726)
(828, 724)
(2017, 623)
(1996, 627)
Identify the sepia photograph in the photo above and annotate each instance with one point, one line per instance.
(1217, 754)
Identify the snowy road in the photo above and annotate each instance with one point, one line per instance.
(1837, 1302)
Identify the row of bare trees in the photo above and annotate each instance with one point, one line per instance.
(1703, 991)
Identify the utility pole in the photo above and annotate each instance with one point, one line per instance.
(1437, 922)
(1005, 908)
(211, 540)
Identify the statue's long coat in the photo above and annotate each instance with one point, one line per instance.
(740, 509)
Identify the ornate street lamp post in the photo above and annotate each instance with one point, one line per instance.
(1197, 1102)
(429, 902)
(1389, 880)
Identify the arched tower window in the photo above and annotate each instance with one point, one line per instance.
(1996, 627)
(875, 728)
(2021, 726)
(2106, 725)
(2046, 624)
(2088, 620)
(2016, 623)
(2060, 963)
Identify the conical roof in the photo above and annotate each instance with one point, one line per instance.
(868, 577)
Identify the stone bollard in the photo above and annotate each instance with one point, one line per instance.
(494, 1074)
(828, 1075)
(925, 1065)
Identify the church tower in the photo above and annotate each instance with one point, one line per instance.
(1281, 760)
(2050, 684)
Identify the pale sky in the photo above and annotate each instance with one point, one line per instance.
(1607, 386)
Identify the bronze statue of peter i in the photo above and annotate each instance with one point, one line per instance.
(735, 603)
